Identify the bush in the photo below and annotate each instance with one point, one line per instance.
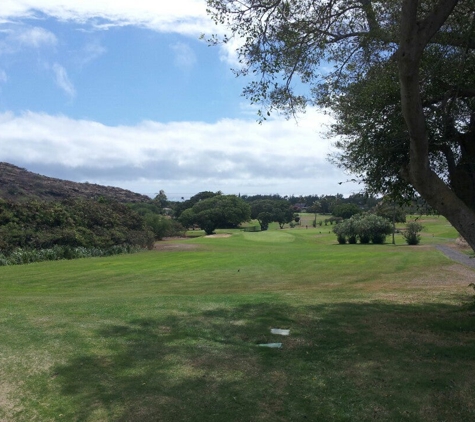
(341, 239)
(411, 234)
(73, 222)
(163, 226)
(27, 256)
(367, 228)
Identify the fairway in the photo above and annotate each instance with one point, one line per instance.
(377, 332)
(270, 236)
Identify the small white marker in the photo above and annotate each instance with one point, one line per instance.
(280, 331)
(271, 345)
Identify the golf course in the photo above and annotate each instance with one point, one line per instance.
(182, 332)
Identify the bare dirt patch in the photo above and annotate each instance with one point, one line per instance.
(454, 277)
(8, 406)
(174, 246)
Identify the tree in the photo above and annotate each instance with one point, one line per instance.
(411, 234)
(391, 211)
(161, 199)
(315, 209)
(346, 210)
(402, 88)
(182, 206)
(163, 226)
(218, 211)
(265, 211)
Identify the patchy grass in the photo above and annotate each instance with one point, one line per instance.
(377, 332)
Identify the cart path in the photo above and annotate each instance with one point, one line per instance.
(456, 256)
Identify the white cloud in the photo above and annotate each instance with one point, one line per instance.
(62, 80)
(90, 52)
(231, 155)
(18, 37)
(185, 57)
(3, 76)
(35, 37)
(184, 16)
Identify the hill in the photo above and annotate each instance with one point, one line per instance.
(19, 184)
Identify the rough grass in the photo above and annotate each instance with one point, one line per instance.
(376, 333)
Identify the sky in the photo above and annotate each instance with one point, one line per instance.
(126, 93)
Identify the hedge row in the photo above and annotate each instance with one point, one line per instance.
(22, 256)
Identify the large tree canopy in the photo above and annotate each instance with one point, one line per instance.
(399, 76)
(221, 211)
(265, 211)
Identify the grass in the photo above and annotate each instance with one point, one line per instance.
(376, 332)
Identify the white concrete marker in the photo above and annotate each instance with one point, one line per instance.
(280, 332)
(271, 345)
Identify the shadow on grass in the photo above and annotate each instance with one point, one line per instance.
(343, 362)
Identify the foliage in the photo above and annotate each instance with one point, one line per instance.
(224, 211)
(346, 210)
(144, 208)
(73, 223)
(27, 256)
(161, 199)
(266, 211)
(182, 206)
(401, 89)
(332, 220)
(153, 215)
(164, 226)
(411, 234)
(366, 228)
(391, 211)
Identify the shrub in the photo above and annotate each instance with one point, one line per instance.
(341, 239)
(373, 228)
(411, 234)
(27, 256)
(73, 222)
(163, 226)
(366, 228)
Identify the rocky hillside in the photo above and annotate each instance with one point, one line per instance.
(18, 184)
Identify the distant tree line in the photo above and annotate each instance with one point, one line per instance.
(103, 224)
(210, 210)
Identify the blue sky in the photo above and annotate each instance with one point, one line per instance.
(124, 93)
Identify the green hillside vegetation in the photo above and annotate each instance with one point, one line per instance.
(72, 223)
(377, 332)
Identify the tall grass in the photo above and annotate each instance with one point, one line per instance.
(27, 256)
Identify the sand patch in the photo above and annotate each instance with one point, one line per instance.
(219, 235)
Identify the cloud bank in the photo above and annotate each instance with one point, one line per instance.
(185, 17)
(229, 155)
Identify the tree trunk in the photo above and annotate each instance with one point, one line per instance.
(414, 38)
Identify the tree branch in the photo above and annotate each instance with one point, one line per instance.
(434, 21)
